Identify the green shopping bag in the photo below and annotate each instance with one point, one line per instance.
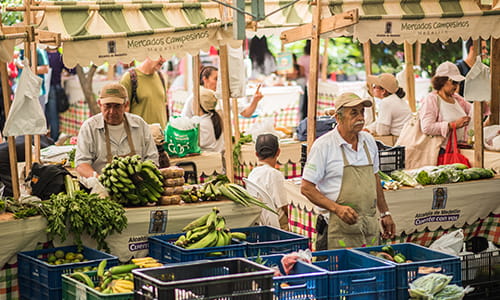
(180, 142)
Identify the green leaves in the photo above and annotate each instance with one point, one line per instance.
(81, 214)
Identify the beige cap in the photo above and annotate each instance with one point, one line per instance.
(450, 70)
(208, 101)
(385, 80)
(350, 100)
(113, 93)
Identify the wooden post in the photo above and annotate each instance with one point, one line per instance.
(236, 120)
(418, 53)
(410, 78)
(196, 84)
(226, 111)
(495, 81)
(368, 70)
(312, 88)
(478, 135)
(11, 141)
(324, 61)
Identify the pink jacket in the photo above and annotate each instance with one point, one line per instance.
(431, 119)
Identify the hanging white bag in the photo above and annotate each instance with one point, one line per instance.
(450, 243)
(26, 116)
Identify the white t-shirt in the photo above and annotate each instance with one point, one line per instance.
(187, 110)
(392, 116)
(272, 181)
(207, 135)
(451, 112)
(325, 165)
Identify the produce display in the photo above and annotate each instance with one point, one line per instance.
(220, 188)
(117, 279)
(434, 175)
(207, 231)
(172, 185)
(59, 257)
(435, 286)
(132, 182)
(78, 212)
(388, 253)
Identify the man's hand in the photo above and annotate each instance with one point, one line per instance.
(389, 227)
(346, 214)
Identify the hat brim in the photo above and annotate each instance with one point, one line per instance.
(372, 79)
(116, 100)
(365, 102)
(457, 78)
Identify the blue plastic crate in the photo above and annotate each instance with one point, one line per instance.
(356, 276)
(39, 280)
(163, 249)
(233, 278)
(421, 257)
(265, 240)
(305, 281)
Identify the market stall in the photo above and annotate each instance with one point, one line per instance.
(207, 163)
(427, 221)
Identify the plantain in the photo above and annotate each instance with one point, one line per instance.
(212, 218)
(101, 267)
(199, 235)
(207, 241)
(220, 225)
(84, 278)
(122, 269)
(196, 223)
(238, 235)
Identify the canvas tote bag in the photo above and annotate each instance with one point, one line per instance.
(420, 149)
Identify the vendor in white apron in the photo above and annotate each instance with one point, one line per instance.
(340, 176)
(113, 132)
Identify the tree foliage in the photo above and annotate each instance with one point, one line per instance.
(11, 17)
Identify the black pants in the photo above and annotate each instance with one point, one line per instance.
(322, 237)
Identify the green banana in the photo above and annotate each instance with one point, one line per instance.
(212, 218)
(130, 169)
(121, 165)
(122, 173)
(122, 269)
(106, 282)
(207, 241)
(238, 235)
(101, 267)
(220, 225)
(221, 240)
(118, 185)
(196, 236)
(180, 241)
(200, 221)
(84, 278)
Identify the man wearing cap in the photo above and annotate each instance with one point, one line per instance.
(112, 132)
(340, 176)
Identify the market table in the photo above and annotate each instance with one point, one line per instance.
(418, 216)
(26, 235)
(288, 161)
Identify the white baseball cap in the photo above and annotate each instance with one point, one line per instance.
(450, 70)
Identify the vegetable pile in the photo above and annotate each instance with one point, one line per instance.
(207, 231)
(388, 253)
(435, 286)
(80, 213)
(131, 182)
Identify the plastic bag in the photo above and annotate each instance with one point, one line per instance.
(289, 260)
(450, 243)
(181, 137)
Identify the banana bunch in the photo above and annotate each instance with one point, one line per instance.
(206, 192)
(146, 262)
(132, 182)
(207, 231)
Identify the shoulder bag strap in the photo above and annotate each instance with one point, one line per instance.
(133, 85)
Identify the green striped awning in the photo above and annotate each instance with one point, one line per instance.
(112, 31)
(392, 20)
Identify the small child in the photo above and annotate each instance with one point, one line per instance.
(268, 178)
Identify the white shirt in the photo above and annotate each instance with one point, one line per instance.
(187, 110)
(451, 112)
(207, 135)
(393, 114)
(272, 181)
(325, 165)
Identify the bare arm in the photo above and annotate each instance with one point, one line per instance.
(387, 223)
(345, 213)
(250, 109)
(85, 170)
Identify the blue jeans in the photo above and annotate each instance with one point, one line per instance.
(52, 113)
